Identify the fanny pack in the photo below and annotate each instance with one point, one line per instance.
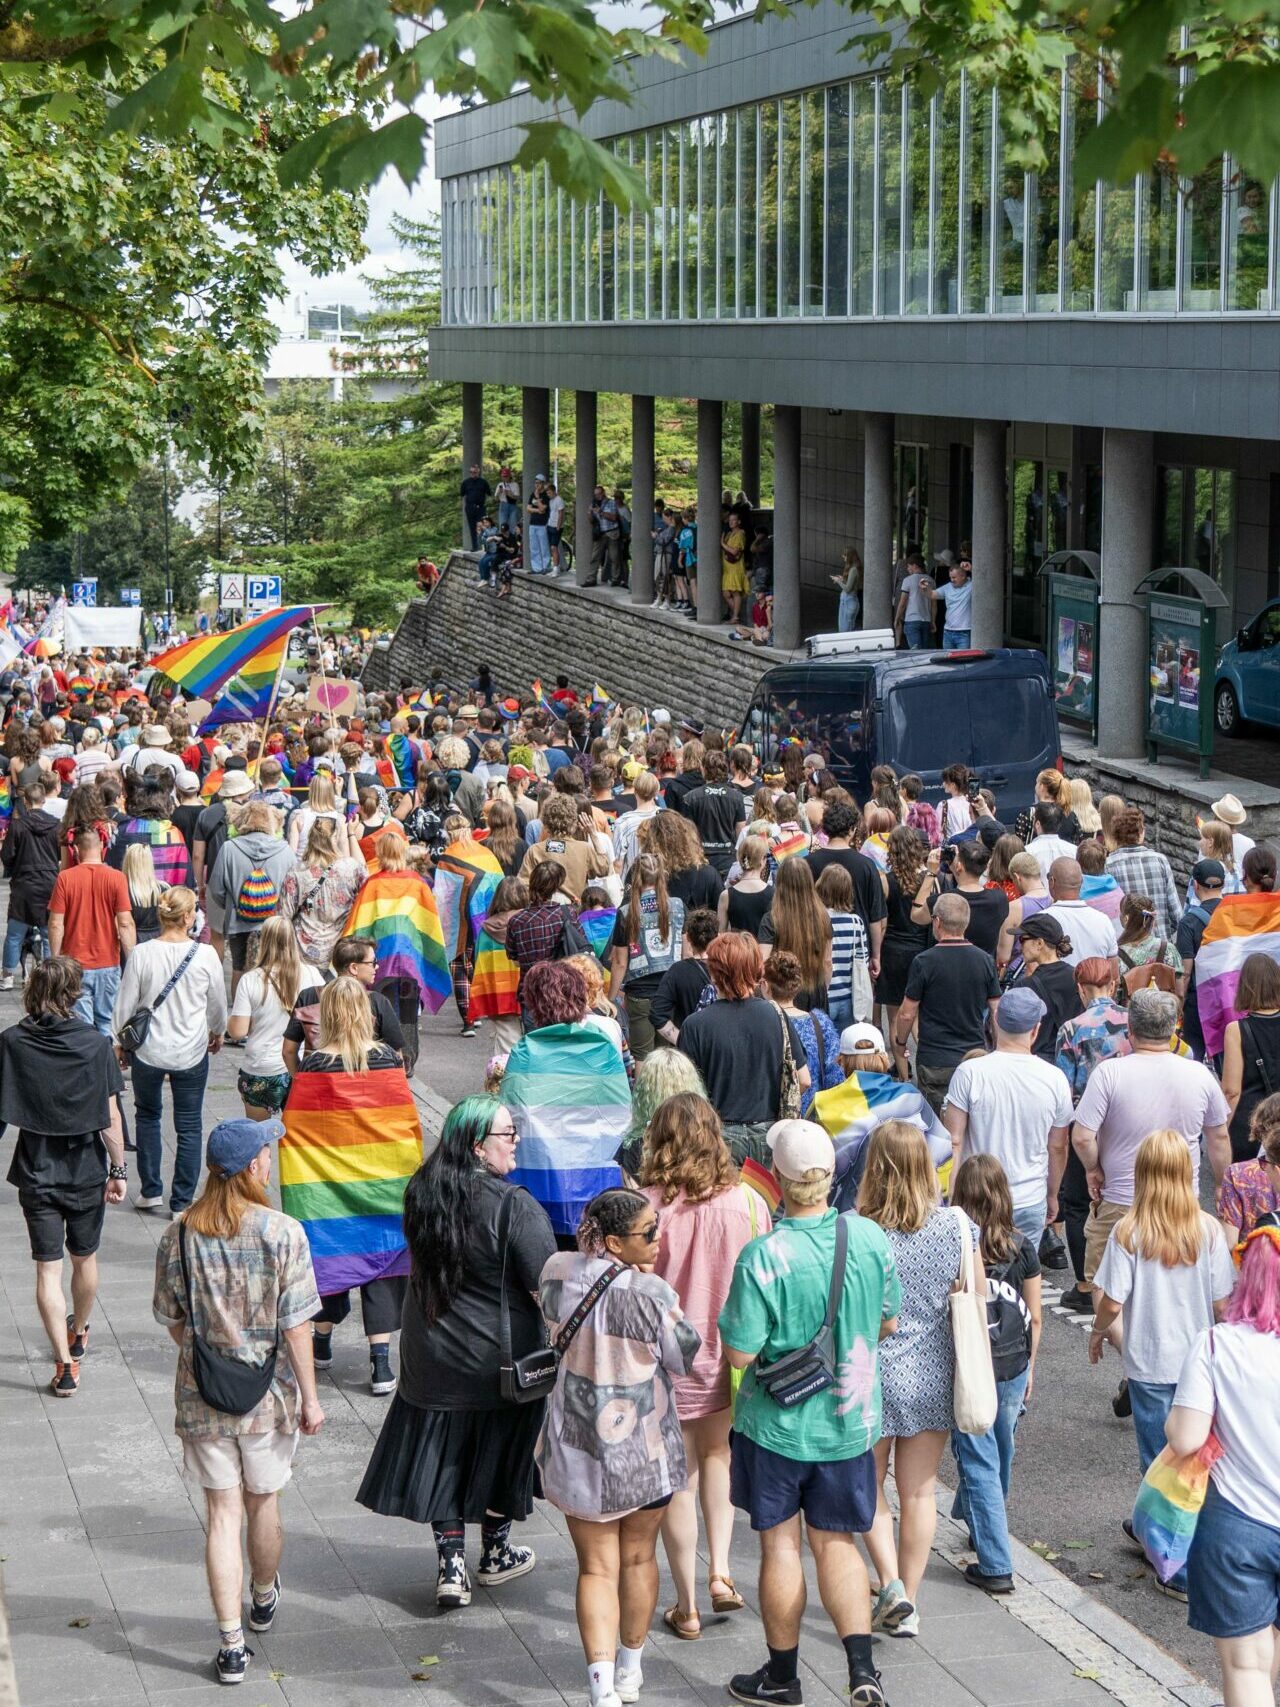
(797, 1375)
(228, 1384)
(522, 1380)
(136, 1029)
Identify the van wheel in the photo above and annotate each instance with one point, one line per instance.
(1226, 711)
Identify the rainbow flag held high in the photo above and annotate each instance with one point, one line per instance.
(495, 982)
(246, 698)
(352, 1142)
(789, 847)
(568, 1094)
(464, 886)
(597, 926)
(203, 666)
(396, 911)
(546, 704)
(403, 757)
(1240, 925)
(850, 1112)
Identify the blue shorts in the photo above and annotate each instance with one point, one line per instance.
(1233, 1573)
(772, 1489)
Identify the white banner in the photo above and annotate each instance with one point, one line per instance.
(86, 626)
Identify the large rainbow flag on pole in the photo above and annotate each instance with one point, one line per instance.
(465, 883)
(396, 911)
(246, 698)
(1240, 925)
(202, 667)
(352, 1142)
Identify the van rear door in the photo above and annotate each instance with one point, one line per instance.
(925, 726)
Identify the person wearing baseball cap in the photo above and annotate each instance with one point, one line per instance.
(871, 1093)
(1048, 971)
(1208, 881)
(816, 1457)
(242, 1460)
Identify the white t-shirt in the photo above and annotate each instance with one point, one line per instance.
(959, 603)
(145, 758)
(1130, 1095)
(555, 512)
(257, 1002)
(1228, 1373)
(1165, 1308)
(1092, 933)
(1045, 849)
(1013, 1101)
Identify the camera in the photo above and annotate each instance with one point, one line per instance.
(947, 857)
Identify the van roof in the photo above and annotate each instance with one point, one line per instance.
(1013, 661)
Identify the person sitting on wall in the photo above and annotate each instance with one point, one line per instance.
(428, 575)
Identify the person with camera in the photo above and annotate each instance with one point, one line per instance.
(807, 1309)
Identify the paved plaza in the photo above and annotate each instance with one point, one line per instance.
(102, 1557)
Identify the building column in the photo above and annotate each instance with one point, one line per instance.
(1128, 509)
(472, 441)
(535, 450)
(877, 521)
(586, 407)
(990, 526)
(751, 451)
(710, 490)
(786, 526)
(642, 500)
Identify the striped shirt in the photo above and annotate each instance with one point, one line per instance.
(848, 943)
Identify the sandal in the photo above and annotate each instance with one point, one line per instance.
(679, 1624)
(731, 1602)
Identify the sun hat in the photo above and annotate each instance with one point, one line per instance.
(1228, 810)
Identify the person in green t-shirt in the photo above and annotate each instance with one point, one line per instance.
(817, 1456)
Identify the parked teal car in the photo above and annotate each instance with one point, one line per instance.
(1246, 685)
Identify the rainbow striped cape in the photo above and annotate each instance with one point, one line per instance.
(202, 667)
(396, 911)
(464, 885)
(404, 759)
(1240, 925)
(568, 1094)
(351, 1143)
(495, 981)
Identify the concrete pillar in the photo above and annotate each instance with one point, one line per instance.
(472, 441)
(751, 451)
(990, 526)
(786, 526)
(584, 475)
(710, 489)
(642, 500)
(877, 521)
(1128, 509)
(535, 449)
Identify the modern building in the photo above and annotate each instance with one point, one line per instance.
(956, 351)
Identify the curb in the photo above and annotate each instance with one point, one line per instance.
(8, 1678)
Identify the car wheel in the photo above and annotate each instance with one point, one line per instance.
(1226, 710)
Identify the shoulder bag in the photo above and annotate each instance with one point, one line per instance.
(798, 1375)
(735, 1374)
(136, 1029)
(524, 1380)
(1170, 1500)
(974, 1386)
(228, 1384)
(790, 1096)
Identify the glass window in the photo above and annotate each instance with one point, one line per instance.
(562, 257)
(946, 200)
(707, 180)
(533, 215)
(1158, 268)
(748, 213)
(1059, 517)
(789, 194)
(915, 190)
(513, 243)
(1045, 211)
(813, 279)
(836, 217)
(623, 244)
(608, 258)
(1248, 220)
(690, 212)
(923, 705)
(1116, 267)
(1081, 209)
(1025, 608)
(1202, 241)
(889, 231)
(727, 216)
(862, 196)
(975, 225)
(1169, 507)
(655, 222)
(1011, 230)
(911, 499)
(768, 207)
(590, 261)
(671, 223)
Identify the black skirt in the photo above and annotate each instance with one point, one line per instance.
(432, 1465)
(895, 963)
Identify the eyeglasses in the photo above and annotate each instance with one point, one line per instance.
(504, 1132)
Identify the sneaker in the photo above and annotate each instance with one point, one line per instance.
(1173, 1591)
(628, 1684)
(865, 1690)
(891, 1606)
(759, 1686)
(453, 1585)
(1078, 1301)
(79, 1343)
(993, 1582)
(1130, 1535)
(262, 1612)
(66, 1380)
(232, 1663)
(469, 1030)
(155, 1201)
(6, 982)
(908, 1626)
(1122, 1404)
(381, 1379)
(322, 1349)
(505, 1563)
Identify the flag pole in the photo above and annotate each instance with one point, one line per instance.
(271, 707)
(315, 629)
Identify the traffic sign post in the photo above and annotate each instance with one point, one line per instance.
(131, 595)
(231, 592)
(85, 592)
(262, 592)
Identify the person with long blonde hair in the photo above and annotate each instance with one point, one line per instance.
(1086, 813)
(321, 807)
(899, 1192)
(797, 923)
(265, 998)
(145, 890)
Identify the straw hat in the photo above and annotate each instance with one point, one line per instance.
(1228, 810)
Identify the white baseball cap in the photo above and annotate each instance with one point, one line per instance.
(661, 714)
(799, 1147)
(862, 1036)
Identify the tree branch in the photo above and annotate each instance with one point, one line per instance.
(121, 347)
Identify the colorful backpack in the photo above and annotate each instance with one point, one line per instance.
(257, 898)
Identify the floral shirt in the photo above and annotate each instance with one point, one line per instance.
(318, 903)
(1244, 1195)
(1097, 1035)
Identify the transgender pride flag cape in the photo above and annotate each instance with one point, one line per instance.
(1240, 925)
(568, 1094)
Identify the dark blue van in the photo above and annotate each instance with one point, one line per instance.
(917, 711)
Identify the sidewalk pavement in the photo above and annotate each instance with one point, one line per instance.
(101, 1555)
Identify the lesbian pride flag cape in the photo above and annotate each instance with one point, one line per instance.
(1240, 925)
(352, 1142)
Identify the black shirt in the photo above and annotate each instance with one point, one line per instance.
(185, 818)
(48, 1157)
(717, 811)
(1055, 984)
(868, 892)
(953, 983)
(1190, 930)
(475, 490)
(988, 910)
(696, 886)
(679, 993)
(737, 1047)
(305, 1018)
(748, 907)
(675, 788)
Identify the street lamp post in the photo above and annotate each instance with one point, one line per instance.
(168, 576)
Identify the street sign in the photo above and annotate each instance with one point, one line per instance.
(262, 592)
(131, 595)
(231, 592)
(85, 592)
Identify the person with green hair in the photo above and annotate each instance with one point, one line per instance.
(665, 1073)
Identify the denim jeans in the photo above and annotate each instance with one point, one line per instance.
(509, 515)
(539, 551)
(1152, 1402)
(486, 566)
(985, 1462)
(849, 611)
(917, 634)
(15, 934)
(955, 639)
(1030, 1220)
(841, 1013)
(187, 1085)
(97, 997)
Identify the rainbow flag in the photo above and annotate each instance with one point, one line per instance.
(546, 704)
(403, 758)
(169, 855)
(570, 1100)
(850, 1112)
(597, 926)
(202, 667)
(1240, 925)
(495, 981)
(246, 698)
(464, 887)
(396, 911)
(352, 1142)
(789, 846)
(762, 1181)
(599, 699)
(6, 799)
(81, 686)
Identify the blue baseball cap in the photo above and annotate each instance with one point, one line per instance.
(1019, 1010)
(233, 1144)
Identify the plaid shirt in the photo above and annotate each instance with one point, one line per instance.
(534, 934)
(1143, 871)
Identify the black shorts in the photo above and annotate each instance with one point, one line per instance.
(840, 1497)
(553, 536)
(244, 950)
(71, 1218)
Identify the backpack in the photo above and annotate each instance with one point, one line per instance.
(257, 898)
(1008, 1320)
(1151, 974)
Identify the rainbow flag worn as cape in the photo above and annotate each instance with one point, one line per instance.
(247, 696)
(464, 886)
(202, 667)
(495, 981)
(396, 911)
(170, 857)
(404, 759)
(597, 926)
(351, 1143)
(1240, 925)
(850, 1112)
(568, 1094)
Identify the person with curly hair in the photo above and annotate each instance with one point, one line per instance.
(906, 859)
(691, 878)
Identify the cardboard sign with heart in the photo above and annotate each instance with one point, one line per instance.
(332, 696)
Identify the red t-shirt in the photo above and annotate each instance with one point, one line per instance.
(89, 897)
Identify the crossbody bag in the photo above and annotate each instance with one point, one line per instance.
(137, 1028)
(524, 1380)
(797, 1375)
(228, 1384)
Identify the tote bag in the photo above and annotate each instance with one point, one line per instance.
(974, 1390)
(1169, 1501)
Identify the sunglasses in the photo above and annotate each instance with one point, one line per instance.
(648, 1234)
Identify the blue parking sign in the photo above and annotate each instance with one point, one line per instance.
(262, 592)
